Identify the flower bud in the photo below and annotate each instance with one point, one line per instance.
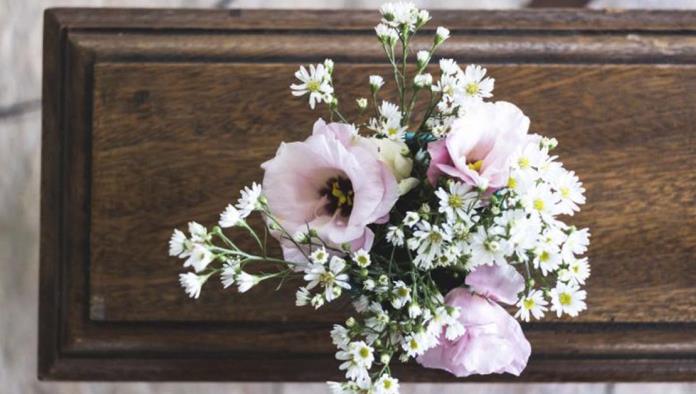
(362, 103)
(441, 35)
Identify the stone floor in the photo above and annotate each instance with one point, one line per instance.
(20, 76)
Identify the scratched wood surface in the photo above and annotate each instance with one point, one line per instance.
(145, 129)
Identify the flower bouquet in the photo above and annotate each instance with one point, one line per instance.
(428, 220)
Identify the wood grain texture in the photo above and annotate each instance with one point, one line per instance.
(156, 118)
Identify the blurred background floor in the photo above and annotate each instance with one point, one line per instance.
(20, 136)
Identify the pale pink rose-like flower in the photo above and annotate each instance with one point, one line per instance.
(493, 341)
(332, 183)
(480, 146)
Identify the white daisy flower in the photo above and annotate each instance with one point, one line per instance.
(547, 258)
(533, 303)
(431, 240)
(486, 249)
(541, 201)
(316, 82)
(456, 203)
(386, 34)
(178, 244)
(411, 219)
(357, 360)
(441, 34)
(246, 281)
(331, 278)
(250, 199)
(575, 244)
(319, 256)
(568, 299)
(423, 80)
(577, 272)
(340, 336)
(192, 283)
(230, 270)
(400, 14)
(230, 217)
(423, 57)
(200, 257)
(386, 385)
(199, 234)
(414, 344)
(369, 284)
(376, 82)
(401, 295)
(395, 235)
(362, 258)
(570, 191)
(449, 67)
(476, 84)
(302, 297)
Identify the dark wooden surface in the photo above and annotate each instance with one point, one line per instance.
(154, 118)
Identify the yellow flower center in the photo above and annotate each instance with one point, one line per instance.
(512, 183)
(523, 162)
(565, 298)
(455, 201)
(475, 166)
(544, 256)
(387, 384)
(313, 86)
(472, 88)
(565, 192)
(364, 352)
(528, 303)
(413, 344)
(539, 204)
(402, 292)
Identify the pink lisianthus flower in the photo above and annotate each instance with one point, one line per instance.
(493, 341)
(331, 183)
(480, 145)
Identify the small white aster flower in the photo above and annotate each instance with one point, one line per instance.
(316, 82)
(576, 243)
(246, 281)
(475, 82)
(302, 297)
(431, 239)
(362, 258)
(376, 82)
(199, 233)
(414, 310)
(570, 191)
(386, 34)
(541, 201)
(230, 217)
(414, 344)
(340, 336)
(578, 271)
(423, 57)
(332, 278)
(400, 14)
(568, 299)
(230, 270)
(250, 199)
(317, 301)
(411, 218)
(456, 203)
(533, 303)
(401, 295)
(192, 283)
(386, 385)
(441, 34)
(449, 67)
(319, 256)
(369, 284)
(395, 236)
(423, 80)
(362, 303)
(547, 258)
(357, 360)
(200, 257)
(361, 102)
(486, 249)
(177, 244)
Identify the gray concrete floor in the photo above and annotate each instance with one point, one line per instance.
(20, 76)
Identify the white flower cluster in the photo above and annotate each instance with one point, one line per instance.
(458, 89)
(199, 251)
(317, 82)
